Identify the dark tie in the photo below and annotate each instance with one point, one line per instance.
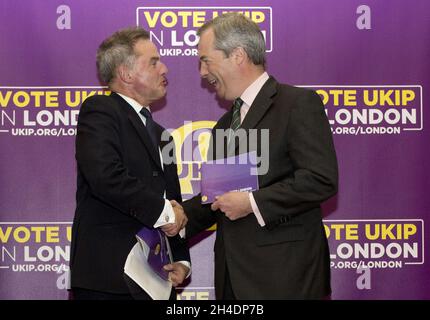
(150, 126)
(235, 119)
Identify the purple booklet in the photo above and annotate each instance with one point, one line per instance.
(229, 174)
(159, 250)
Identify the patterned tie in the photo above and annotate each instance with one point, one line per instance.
(235, 119)
(150, 126)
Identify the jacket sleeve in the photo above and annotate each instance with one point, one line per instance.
(200, 216)
(311, 151)
(179, 248)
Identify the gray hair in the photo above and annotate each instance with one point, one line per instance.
(233, 30)
(117, 50)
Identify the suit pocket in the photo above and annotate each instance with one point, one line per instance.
(282, 233)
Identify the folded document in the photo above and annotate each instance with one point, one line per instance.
(229, 174)
(144, 264)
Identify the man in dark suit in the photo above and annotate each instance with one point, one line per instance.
(270, 243)
(122, 182)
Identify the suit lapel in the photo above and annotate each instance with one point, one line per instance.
(144, 136)
(261, 104)
(259, 107)
(140, 129)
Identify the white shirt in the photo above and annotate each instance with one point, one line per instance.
(248, 97)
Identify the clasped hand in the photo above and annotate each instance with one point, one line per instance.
(172, 229)
(177, 272)
(235, 205)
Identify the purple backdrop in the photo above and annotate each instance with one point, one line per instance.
(369, 64)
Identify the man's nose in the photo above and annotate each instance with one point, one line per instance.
(203, 70)
(164, 69)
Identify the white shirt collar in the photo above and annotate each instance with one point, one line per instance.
(135, 105)
(248, 96)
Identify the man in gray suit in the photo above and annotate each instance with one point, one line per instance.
(270, 243)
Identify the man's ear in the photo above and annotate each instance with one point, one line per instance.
(239, 55)
(125, 74)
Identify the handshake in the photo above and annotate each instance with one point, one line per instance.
(234, 205)
(172, 229)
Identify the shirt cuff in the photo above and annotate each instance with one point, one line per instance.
(188, 265)
(167, 215)
(256, 210)
(182, 233)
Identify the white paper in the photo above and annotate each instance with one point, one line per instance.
(137, 268)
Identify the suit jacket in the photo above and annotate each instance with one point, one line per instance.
(120, 187)
(289, 257)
